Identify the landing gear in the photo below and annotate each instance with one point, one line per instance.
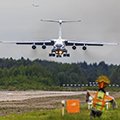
(51, 55)
(66, 55)
(58, 55)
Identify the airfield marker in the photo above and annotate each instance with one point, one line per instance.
(63, 107)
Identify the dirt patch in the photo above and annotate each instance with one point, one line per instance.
(24, 101)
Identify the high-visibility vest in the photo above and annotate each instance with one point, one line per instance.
(99, 101)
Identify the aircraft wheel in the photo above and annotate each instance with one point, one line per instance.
(51, 55)
(68, 55)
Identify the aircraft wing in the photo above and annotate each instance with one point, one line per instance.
(79, 43)
(45, 42)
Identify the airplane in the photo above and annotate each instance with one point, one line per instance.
(59, 44)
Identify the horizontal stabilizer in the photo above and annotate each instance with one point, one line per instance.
(61, 21)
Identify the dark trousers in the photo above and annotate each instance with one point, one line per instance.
(95, 113)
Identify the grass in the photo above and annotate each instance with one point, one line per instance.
(56, 115)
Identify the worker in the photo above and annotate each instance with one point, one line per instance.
(100, 98)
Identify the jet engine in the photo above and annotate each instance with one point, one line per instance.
(43, 46)
(33, 47)
(74, 47)
(84, 47)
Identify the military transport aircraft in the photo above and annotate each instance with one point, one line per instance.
(59, 45)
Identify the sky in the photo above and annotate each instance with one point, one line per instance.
(20, 21)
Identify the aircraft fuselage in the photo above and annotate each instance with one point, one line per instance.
(59, 49)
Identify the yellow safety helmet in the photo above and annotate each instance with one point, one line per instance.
(104, 79)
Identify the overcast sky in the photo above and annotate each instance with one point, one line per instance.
(100, 21)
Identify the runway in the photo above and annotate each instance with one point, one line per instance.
(24, 101)
(23, 95)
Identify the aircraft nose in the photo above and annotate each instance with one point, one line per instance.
(58, 45)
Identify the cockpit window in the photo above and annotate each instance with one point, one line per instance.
(58, 45)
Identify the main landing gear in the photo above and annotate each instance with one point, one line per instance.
(58, 55)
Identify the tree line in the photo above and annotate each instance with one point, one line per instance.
(25, 74)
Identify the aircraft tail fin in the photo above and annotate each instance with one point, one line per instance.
(60, 22)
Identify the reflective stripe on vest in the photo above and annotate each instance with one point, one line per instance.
(99, 101)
